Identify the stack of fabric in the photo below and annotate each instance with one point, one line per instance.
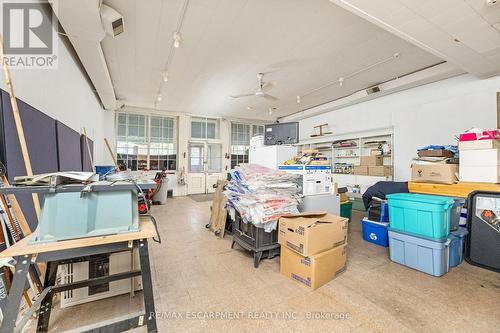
(261, 195)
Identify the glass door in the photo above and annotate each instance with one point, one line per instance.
(205, 166)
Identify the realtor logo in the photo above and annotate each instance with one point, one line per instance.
(28, 35)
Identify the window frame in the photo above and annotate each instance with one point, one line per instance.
(148, 141)
(236, 157)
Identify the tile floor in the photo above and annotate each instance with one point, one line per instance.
(193, 272)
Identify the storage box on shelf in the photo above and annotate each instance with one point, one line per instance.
(480, 156)
(316, 179)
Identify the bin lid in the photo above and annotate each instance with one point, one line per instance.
(425, 198)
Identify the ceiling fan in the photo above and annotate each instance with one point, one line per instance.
(262, 87)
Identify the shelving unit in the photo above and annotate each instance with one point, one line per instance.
(345, 157)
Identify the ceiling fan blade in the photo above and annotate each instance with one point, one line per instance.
(243, 95)
(270, 97)
(268, 85)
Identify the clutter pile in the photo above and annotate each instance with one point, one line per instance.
(261, 195)
(436, 164)
(309, 157)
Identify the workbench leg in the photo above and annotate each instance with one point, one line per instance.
(46, 305)
(147, 287)
(15, 293)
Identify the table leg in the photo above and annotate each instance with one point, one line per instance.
(147, 286)
(46, 305)
(16, 293)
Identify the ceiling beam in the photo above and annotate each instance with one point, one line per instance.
(82, 24)
(452, 30)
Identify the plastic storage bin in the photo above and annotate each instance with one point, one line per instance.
(420, 214)
(422, 254)
(375, 232)
(455, 212)
(346, 210)
(457, 243)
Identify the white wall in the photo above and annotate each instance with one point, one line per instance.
(65, 94)
(429, 114)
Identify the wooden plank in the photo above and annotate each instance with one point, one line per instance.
(146, 230)
(17, 210)
(88, 149)
(460, 189)
(19, 125)
(113, 156)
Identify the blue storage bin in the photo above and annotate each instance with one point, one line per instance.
(457, 243)
(425, 255)
(104, 170)
(375, 232)
(420, 214)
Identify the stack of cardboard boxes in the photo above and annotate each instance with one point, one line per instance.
(313, 247)
(480, 157)
(373, 166)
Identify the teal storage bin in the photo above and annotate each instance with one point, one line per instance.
(69, 215)
(420, 214)
(422, 254)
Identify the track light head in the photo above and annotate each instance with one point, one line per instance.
(165, 76)
(298, 99)
(177, 39)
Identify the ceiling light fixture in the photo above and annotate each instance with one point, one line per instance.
(177, 39)
(341, 80)
(165, 76)
(249, 108)
(158, 98)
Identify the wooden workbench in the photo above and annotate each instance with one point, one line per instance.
(460, 189)
(146, 231)
(74, 250)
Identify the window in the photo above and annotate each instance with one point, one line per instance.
(204, 128)
(240, 141)
(146, 142)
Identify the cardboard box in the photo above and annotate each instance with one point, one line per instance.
(375, 152)
(309, 233)
(361, 170)
(440, 173)
(480, 157)
(380, 171)
(480, 174)
(372, 160)
(316, 270)
(478, 144)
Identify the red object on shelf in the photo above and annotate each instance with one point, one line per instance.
(484, 135)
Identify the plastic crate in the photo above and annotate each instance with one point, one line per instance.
(346, 210)
(457, 245)
(375, 232)
(254, 239)
(420, 214)
(425, 255)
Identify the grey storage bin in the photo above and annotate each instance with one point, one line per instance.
(422, 254)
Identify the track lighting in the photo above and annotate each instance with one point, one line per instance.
(298, 99)
(177, 39)
(341, 81)
(158, 98)
(165, 76)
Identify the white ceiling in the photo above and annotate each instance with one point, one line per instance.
(225, 43)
